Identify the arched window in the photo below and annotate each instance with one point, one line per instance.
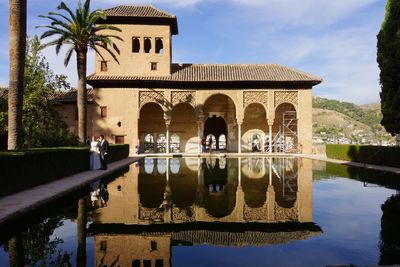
(222, 141)
(161, 166)
(211, 142)
(135, 45)
(148, 165)
(256, 143)
(147, 45)
(148, 143)
(175, 143)
(161, 143)
(174, 165)
(159, 46)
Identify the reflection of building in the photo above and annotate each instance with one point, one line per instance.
(157, 206)
(168, 106)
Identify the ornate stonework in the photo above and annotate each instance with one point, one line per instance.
(255, 214)
(184, 215)
(250, 97)
(152, 214)
(151, 97)
(286, 214)
(286, 97)
(188, 97)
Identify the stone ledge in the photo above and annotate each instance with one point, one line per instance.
(16, 205)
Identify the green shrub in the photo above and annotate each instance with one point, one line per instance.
(24, 169)
(117, 152)
(378, 155)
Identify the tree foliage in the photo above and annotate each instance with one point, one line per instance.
(367, 116)
(42, 124)
(388, 57)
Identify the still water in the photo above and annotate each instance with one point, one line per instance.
(217, 212)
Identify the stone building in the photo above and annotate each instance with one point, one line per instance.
(169, 202)
(167, 107)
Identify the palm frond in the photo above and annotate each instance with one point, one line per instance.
(68, 55)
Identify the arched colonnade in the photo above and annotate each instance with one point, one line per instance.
(177, 121)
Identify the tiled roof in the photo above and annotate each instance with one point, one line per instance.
(71, 95)
(3, 92)
(137, 11)
(142, 15)
(221, 73)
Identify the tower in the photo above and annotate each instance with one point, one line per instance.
(146, 49)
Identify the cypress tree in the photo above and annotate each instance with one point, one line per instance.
(388, 58)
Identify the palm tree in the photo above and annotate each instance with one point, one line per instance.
(17, 66)
(80, 32)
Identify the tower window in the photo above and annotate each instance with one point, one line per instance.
(153, 65)
(103, 65)
(147, 45)
(135, 45)
(159, 46)
(103, 112)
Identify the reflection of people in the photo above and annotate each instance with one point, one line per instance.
(203, 144)
(104, 196)
(95, 161)
(103, 152)
(210, 143)
(137, 147)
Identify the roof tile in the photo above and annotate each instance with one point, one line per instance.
(222, 73)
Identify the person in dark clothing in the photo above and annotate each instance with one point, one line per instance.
(103, 152)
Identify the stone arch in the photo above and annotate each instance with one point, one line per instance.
(225, 94)
(151, 121)
(183, 185)
(289, 97)
(151, 187)
(255, 122)
(153, 96)
(220, 105)
(183, 123)
(253, 97)
(285, 128)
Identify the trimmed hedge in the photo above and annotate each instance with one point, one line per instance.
(378, 155)
(24, 169)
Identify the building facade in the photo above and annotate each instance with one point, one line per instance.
(158, 106)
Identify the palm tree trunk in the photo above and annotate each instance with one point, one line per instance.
(82, 94)
(17, 21)
(16, 251)
(81, 233)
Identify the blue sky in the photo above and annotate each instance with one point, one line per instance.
(333, 39)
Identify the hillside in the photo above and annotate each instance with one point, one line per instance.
(343, 122)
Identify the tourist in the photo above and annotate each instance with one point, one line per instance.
(210, 143)
(95, 160)
(103, 152)
(203, 144)
(104, 195)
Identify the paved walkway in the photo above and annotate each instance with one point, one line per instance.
(17, 204)
(354, 164)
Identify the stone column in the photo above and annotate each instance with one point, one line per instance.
(167, 136)
(239, 124)
(270, 123)
(199, 135)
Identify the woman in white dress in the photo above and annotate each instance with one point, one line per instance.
(95, 161)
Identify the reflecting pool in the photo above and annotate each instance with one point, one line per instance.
(217, 211)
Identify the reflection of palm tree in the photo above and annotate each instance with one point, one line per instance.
(81, 233)
(15, 251)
